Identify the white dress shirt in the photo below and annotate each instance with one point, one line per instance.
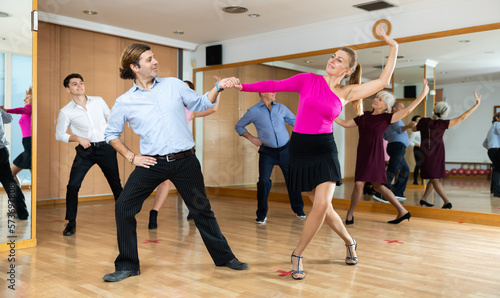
(87, 123)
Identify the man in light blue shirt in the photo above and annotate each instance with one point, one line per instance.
(154, 108)
(270, 120)
(397, 168)
(16, 198)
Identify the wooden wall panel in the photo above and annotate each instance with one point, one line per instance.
(96, 57)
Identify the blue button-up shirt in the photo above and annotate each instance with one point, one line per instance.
(4, 119)
(394, 133)
(493, 137)
(157, 116)
(270, 124)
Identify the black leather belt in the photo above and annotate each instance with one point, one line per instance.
(175, 156)
(98, 144)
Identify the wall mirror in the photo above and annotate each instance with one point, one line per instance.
(449, 60)
(16, 76)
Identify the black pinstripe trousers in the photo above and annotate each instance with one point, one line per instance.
(187, 177)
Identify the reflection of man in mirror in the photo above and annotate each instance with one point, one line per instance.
(270, 120)
(13, 190)
(86, 116)
(492, 144)
(397, 168)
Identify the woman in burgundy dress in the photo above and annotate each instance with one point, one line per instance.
(432, 148)
(370, 161)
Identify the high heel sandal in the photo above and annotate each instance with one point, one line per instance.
(349, 222)
(298, 271)
(425, 203)
(351, 258)
(446, 206)
(398, 220)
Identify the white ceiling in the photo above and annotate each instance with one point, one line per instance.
(204, 22)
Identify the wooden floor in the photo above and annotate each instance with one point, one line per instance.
(420, 258)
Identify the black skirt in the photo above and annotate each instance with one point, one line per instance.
(313, 160)
(23, 160)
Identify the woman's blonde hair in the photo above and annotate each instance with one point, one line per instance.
(354, 76)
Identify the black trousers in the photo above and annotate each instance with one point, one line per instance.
(104, 155)
(13, 190)
(494, 155)
(268, 158)
(186, 175)
(417, 155)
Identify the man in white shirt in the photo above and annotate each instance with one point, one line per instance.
(86, 116)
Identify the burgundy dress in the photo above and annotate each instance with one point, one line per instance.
(432, 147)
(370, 161)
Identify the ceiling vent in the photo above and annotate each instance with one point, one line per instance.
(374, 5)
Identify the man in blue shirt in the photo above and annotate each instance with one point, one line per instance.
(154, 108)
(270, 120)
(397, 139)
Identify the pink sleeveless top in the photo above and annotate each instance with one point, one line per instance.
(318, 105)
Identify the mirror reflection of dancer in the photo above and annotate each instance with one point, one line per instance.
(314, 164)
(492, 144)
(23, 160)
(86, 117)
(270, 118)
(432, 148)
(370, 161)
(415, 143)
(154, 108)
(13, 190)
(164, 188)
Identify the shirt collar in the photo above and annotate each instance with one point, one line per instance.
(75, 105)
(135, 87)
(261, 103)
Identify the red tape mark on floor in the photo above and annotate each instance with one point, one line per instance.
(394, 241)
(152, 241)
(284, 273)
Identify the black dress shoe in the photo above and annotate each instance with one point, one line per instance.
(153, 225)
(396, 221)
(70, 229)
(120, 275)
(446, 206)
(235, 264)
(349, 222)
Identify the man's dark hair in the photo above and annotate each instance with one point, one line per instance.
(69, 77)
(190, 84)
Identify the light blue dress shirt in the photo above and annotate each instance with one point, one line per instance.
(270, 124)
(157, 116)
(493, 137)
(394, 133)
(4, 119)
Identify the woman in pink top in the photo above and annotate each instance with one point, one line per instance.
(164, 187)
(314, 165)
(23, 160)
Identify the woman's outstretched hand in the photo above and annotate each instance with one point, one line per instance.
(387, 39)
(478, 98)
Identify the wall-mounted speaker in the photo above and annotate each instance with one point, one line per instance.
(214, 55)
(410, 91)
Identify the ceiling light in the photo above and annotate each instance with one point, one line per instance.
(235, 9)
(399, 57)
(464, 41)
(4, 14)
(179, 32)
(308, 61)
(444, 72)
(467, 78)
(2, 38)
(409, 60)
(490, 52)
(254, 15)
(90, 12)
